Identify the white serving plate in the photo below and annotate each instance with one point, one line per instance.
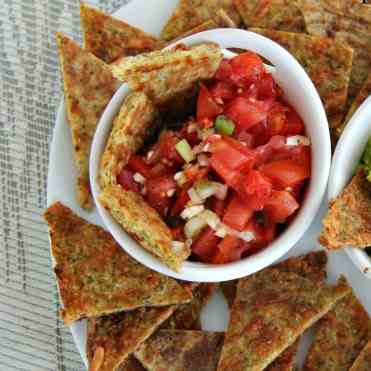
(148, 15)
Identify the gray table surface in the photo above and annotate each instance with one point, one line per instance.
(31, 335)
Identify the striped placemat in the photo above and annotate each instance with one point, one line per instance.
(31, 335)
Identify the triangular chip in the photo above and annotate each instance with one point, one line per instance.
(128, 132)
(327, 62)
(187, 316)
(348, 220)
(174, 350)
(144, 224)
(120, 334)
(339, 336)
(364, 93)
(110, 38)
(271, 310)
(284, 15)
(88, 87)
(166, 73)
(311, 265)
(363, 361)
(350, 25)
(190, 13)
(207, 25)
(96, 277)
(131, 364)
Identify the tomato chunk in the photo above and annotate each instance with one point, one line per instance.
(181, 201)
(126, 180)
(205, 246)
(231, 177)
(158, 193)
(257, 189)
(247, 112)
(246, 68)
(280, 206)
(218, 206)
(285, 173)
(228, 250)
(238, 214)
(207, 108)
(137, 164)
(223, 90)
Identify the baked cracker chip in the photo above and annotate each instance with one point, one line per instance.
(166, 73)
(96, 277)
(88, 87)
(143, 224)
(339, 336)
(109, 38)
(120, 334)
(271, 310)
(128, 133)
(348, 220)
(284, 15)
(363, 361)
(131, 364)
(352, 27)
(327, 62)
(191, 13)
(175, 350)
(187, 316)
(311, 265)
(286, 360)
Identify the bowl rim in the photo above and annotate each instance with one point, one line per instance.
(192, 271)
(340, 177)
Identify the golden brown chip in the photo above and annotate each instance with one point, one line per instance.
(286, 360)
(131, 364)
(144, 224)
(174, 350)
(363, 361)
(120, 334)
(350, 25)
(327, 62)
(348, 220)
(271, 310)
(166, 73)
(360, 98)
(128, 132)
(187, 316)
(311, 265)
(191, 13)
(109, 38)
(284, 15)
(96, 277)
(339, 336)
(88, 87)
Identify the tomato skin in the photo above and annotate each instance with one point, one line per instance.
(257, 188)
(207, 108)
(285, 173)
(205, 246)
(266, 87)
(223, 90)
(246, 138)
(224, 71)
(231, 177)
(295, 125)
(228, 250)
(247, 112)
(178, 233)
(237, 214)
(126, 180)
(156, 195)
(280, 206)
(164, 149)
(137, 164)
(246, 68)
(181, 201)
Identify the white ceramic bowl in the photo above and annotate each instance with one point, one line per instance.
(300, 92)
(347, 155)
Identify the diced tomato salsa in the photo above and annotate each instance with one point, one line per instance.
(233, 172)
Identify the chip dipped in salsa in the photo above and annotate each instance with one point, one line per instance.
(232, 176)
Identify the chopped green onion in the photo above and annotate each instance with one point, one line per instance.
(185, 150)
(224, 125)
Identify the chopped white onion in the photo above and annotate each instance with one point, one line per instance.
(177, 246)
(210, 218)
(139, 178)
(194, 196)
(221, 231)
(221, 190)
(192, 211)
(297, 140)
(247, 236)
(170, 193)
(180, 178)
(194, 226)
(149, 155)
